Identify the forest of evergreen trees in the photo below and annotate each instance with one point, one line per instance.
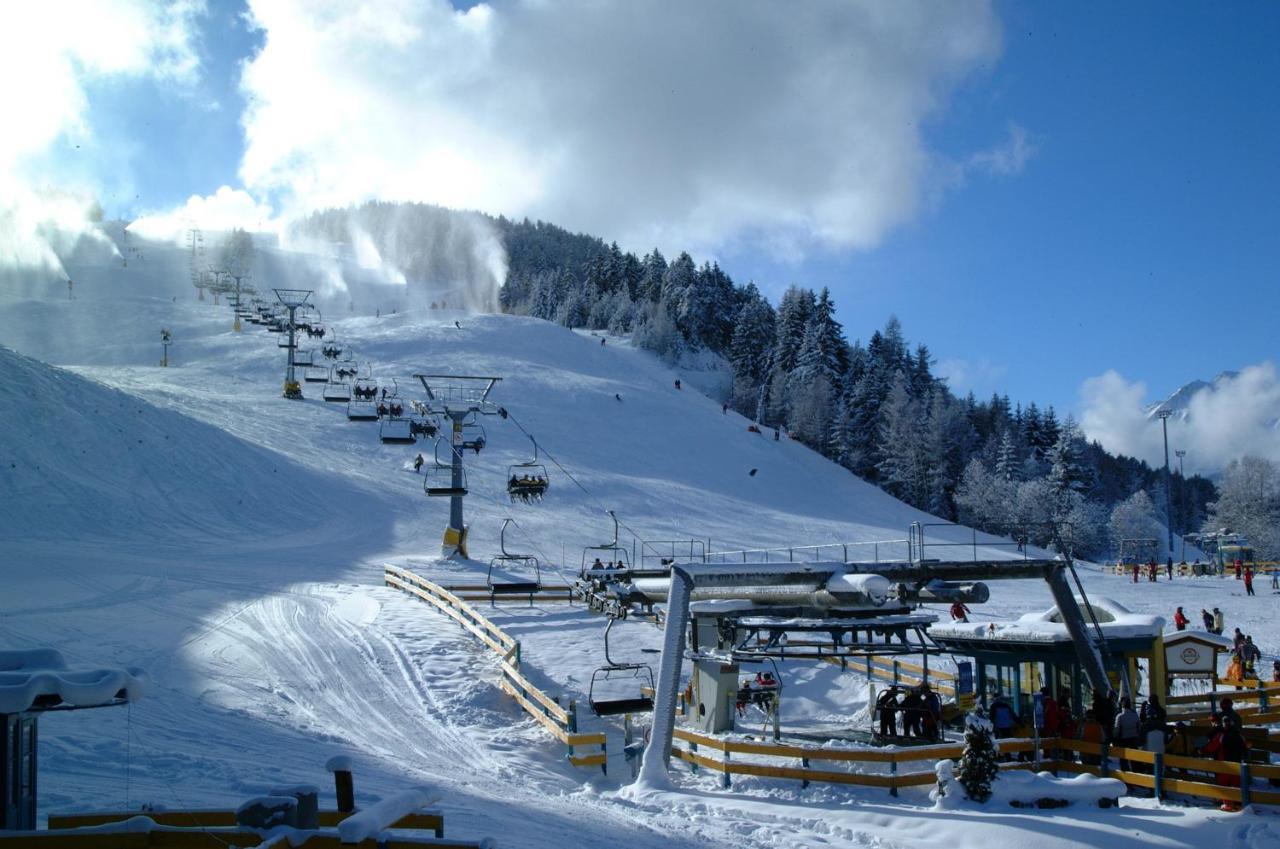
(876, 407)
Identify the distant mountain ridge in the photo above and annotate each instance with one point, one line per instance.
(1179, 403)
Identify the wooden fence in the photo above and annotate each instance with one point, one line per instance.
(892, 670)
(1162, 774)
(560, 721)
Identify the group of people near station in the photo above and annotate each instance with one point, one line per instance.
(365, 393)
(1245, 656)
(761, 691)
(920, 709)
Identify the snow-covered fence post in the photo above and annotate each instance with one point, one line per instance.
(725, 780)
(804, 762)
(1105, 759)
(1262, 697)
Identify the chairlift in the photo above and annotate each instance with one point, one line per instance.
(304, 357)
(314, 373)
(337, 389)
(633, 696)
(473, 437)
(396, 431)
(528, 481)
(609, 556)
(362, 410)
(286, 342)
(505, 564)
(332, 349)
(438, 478)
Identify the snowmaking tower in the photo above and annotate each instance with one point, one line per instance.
(461, 399)
(292, 299)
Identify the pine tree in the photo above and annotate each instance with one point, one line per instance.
(902, 468)
(978, 766)
(1008, 467)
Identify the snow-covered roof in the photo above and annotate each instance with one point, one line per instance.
(42, 676)
(1115, 620)
(1223, 643)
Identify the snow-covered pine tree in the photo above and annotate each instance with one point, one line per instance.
(901, 464)
(750, 349)
(652, 273)
(978, 767)
(1008, 466)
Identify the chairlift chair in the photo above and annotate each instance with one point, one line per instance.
(473, 437)
(528, 481)
(336, 389)
(304, 357)
(438, 479)
(506, 563)
(613, 700)
(314, 373)
(396, 431)
(361, 410)
(286, 342)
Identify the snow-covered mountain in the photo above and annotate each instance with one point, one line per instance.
(1179, 403)
(190, 521)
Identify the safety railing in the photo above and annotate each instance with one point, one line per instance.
(871, 551)
(655, 553)
(559, 720)
(921, 548)
(1203, 778)
(892, 670)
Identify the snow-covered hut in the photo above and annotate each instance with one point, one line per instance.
(1017, 658)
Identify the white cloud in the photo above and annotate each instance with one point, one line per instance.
(964, 376)
(48, 52)
(225, 209)
(669, 123)
(1234, 417)
(1007, 158)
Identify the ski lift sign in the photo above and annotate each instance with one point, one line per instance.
(1190, 655)
(965, 698)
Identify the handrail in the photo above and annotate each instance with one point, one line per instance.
(559, 721)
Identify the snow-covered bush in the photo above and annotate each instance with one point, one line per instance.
(978, 767)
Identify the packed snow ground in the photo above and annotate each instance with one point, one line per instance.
(191, 522)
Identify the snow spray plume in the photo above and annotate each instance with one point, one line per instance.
(40, 228)
(1234, 416)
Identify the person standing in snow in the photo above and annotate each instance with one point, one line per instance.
(417, 464)
(1207, 617)
(1179, 620)
(1248, 580)
(1168, 565)
(959, 612)
(1126, 730)
(677, 383)
(887, 706)
(1219, 622)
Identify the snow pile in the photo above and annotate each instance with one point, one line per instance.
(81, 458)
(42, 674)
(1116, 621)
(1023, 787)
(368, 823)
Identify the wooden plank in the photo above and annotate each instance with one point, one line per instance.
(589, 760)
(197, 817)
(499, 647)
(1141, 756)
(63, 840)
(562, 715)
(1198, 788)
(1137, 779)
(439, 593)
(547, 722)
(1202, 764)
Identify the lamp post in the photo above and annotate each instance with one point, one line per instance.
(1182, 495)
(1168, 497)
(166, 339)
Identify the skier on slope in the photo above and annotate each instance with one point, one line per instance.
(417, 464)
(959, 613)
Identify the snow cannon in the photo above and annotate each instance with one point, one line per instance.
(949, 592)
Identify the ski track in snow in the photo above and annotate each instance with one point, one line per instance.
(272, 644)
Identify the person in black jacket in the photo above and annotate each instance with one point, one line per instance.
(887, 705)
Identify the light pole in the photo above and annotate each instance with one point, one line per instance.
(166, 339)
(1182, 496)
(1168, 497)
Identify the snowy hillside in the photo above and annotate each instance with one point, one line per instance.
(190, 521)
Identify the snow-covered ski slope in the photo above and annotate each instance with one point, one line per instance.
(190, 521)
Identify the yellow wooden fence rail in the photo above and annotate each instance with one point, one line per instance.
(892, 670)
(562, 723)
(1161, 773)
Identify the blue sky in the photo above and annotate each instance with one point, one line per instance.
(1139, 235)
